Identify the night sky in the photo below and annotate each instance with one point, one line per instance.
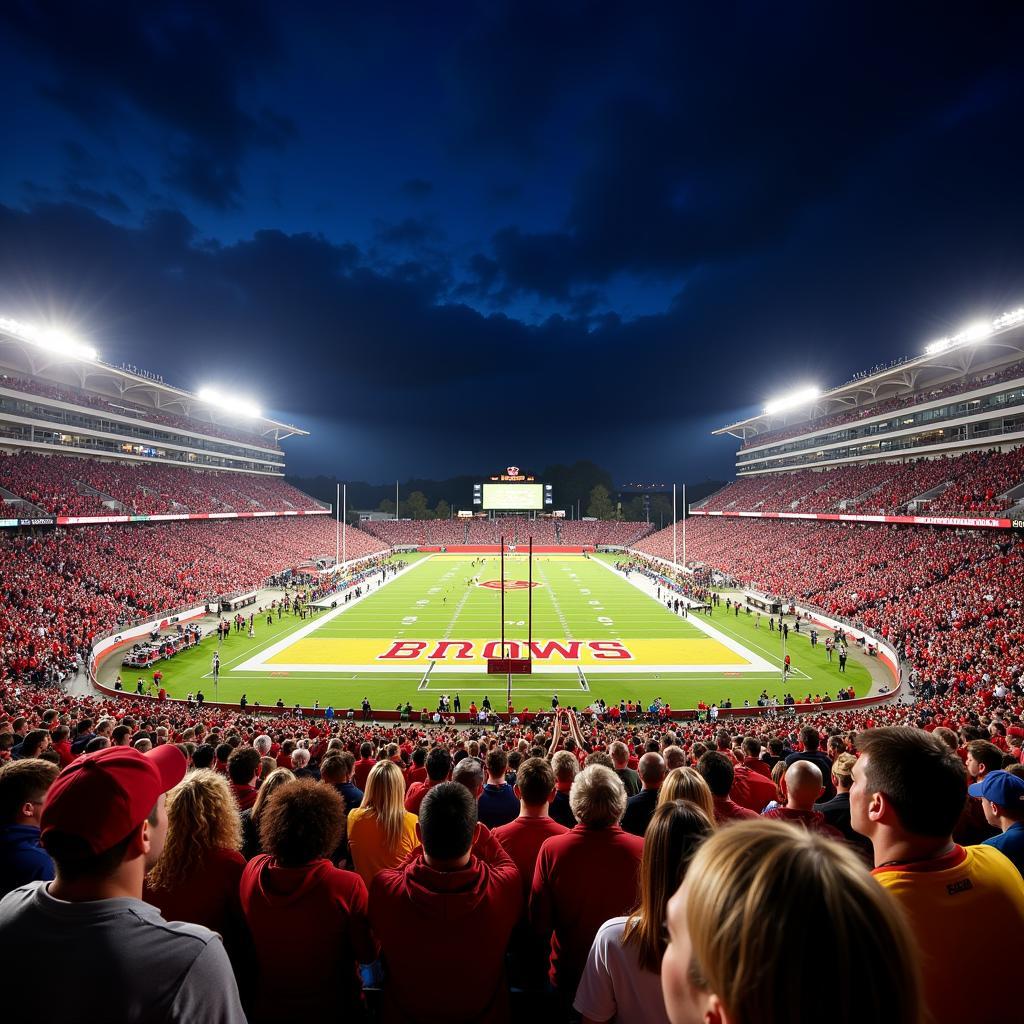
(510, 232)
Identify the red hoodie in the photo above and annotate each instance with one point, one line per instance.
(428, 920)
(309, 928)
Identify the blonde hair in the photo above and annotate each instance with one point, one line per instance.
(384, 798)
(202, 815)
(676, 830)
(598, 796)
(688, 784)
(754, 891)
(277, 778)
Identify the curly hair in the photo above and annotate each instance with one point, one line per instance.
(202, 815)
(302, 822)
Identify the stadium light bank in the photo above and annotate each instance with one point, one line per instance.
(802, 397)
(54, 340)
(238, 406)
(976, 332)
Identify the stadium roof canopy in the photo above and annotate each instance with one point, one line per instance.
(78, 366)
(975, 350)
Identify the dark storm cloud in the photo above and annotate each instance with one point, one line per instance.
(181, 69)
(410, 231)
(720, 141)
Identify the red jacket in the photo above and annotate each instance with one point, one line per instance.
(582, 879)
(309, 928)
(361, 772)
(428, 920)
(749, 789)
(522, 839)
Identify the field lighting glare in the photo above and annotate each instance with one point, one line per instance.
(52, 339)
(802, 397)
(977, 331)
(238, 406)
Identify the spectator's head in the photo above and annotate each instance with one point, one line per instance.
(688, 784)
(302, 822)
(803, 785)
(908, 788)
(202, 816)
(619, 753)
(439, 764)
(983, 757)
(651, 769)
(751, 747)
(1002, 797)
(601, 758)
(565, 766)
(535, 783)
(469, 772)
(675, 757)
(96, 743)
(203, 756)
(717, 771)
(105, 816)
(809, 737)
(598, 797)
(842, 772)
(333, 769)
(672, 837)
(365, 750)
(23, 788)
(143, 744)
(275, 780)
(120, 736)
(35, 742)
(384, 799)
(244, 766)
(263, 745)
(497, 765)
(447, 825)
(755, 881)
(300, 758)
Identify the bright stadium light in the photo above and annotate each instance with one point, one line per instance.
(978, 331)
(238, 406)
(802, 397)
(53, 339)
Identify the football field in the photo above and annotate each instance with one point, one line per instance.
(432, 628)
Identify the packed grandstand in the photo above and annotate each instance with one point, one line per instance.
(459, 872)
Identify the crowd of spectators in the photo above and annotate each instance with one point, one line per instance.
(931, 394)
(950, 601)
(55, 484)
(233, 865)
(122, 407)
(63, 587)
(974, 482)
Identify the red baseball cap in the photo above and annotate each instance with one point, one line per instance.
(102, 797)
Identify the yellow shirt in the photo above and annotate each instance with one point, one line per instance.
(950, 902)
(365, 840)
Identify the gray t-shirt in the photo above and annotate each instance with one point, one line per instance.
(114, 960)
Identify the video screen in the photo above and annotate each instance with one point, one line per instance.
(514, 497)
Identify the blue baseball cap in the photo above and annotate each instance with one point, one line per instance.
(1002, 788)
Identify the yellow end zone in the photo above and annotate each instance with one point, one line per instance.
(417, 651)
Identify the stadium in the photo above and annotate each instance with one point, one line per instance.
(511, 512)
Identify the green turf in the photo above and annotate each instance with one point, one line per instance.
(579, 599)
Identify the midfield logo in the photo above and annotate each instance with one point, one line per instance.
(470, 650)
(509, 584)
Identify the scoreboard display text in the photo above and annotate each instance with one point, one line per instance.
(513, 497)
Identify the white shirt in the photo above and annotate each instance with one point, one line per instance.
(615, 986)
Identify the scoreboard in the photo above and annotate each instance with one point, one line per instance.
(512, 491)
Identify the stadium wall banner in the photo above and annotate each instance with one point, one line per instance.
(163, 518)
(842, 517)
